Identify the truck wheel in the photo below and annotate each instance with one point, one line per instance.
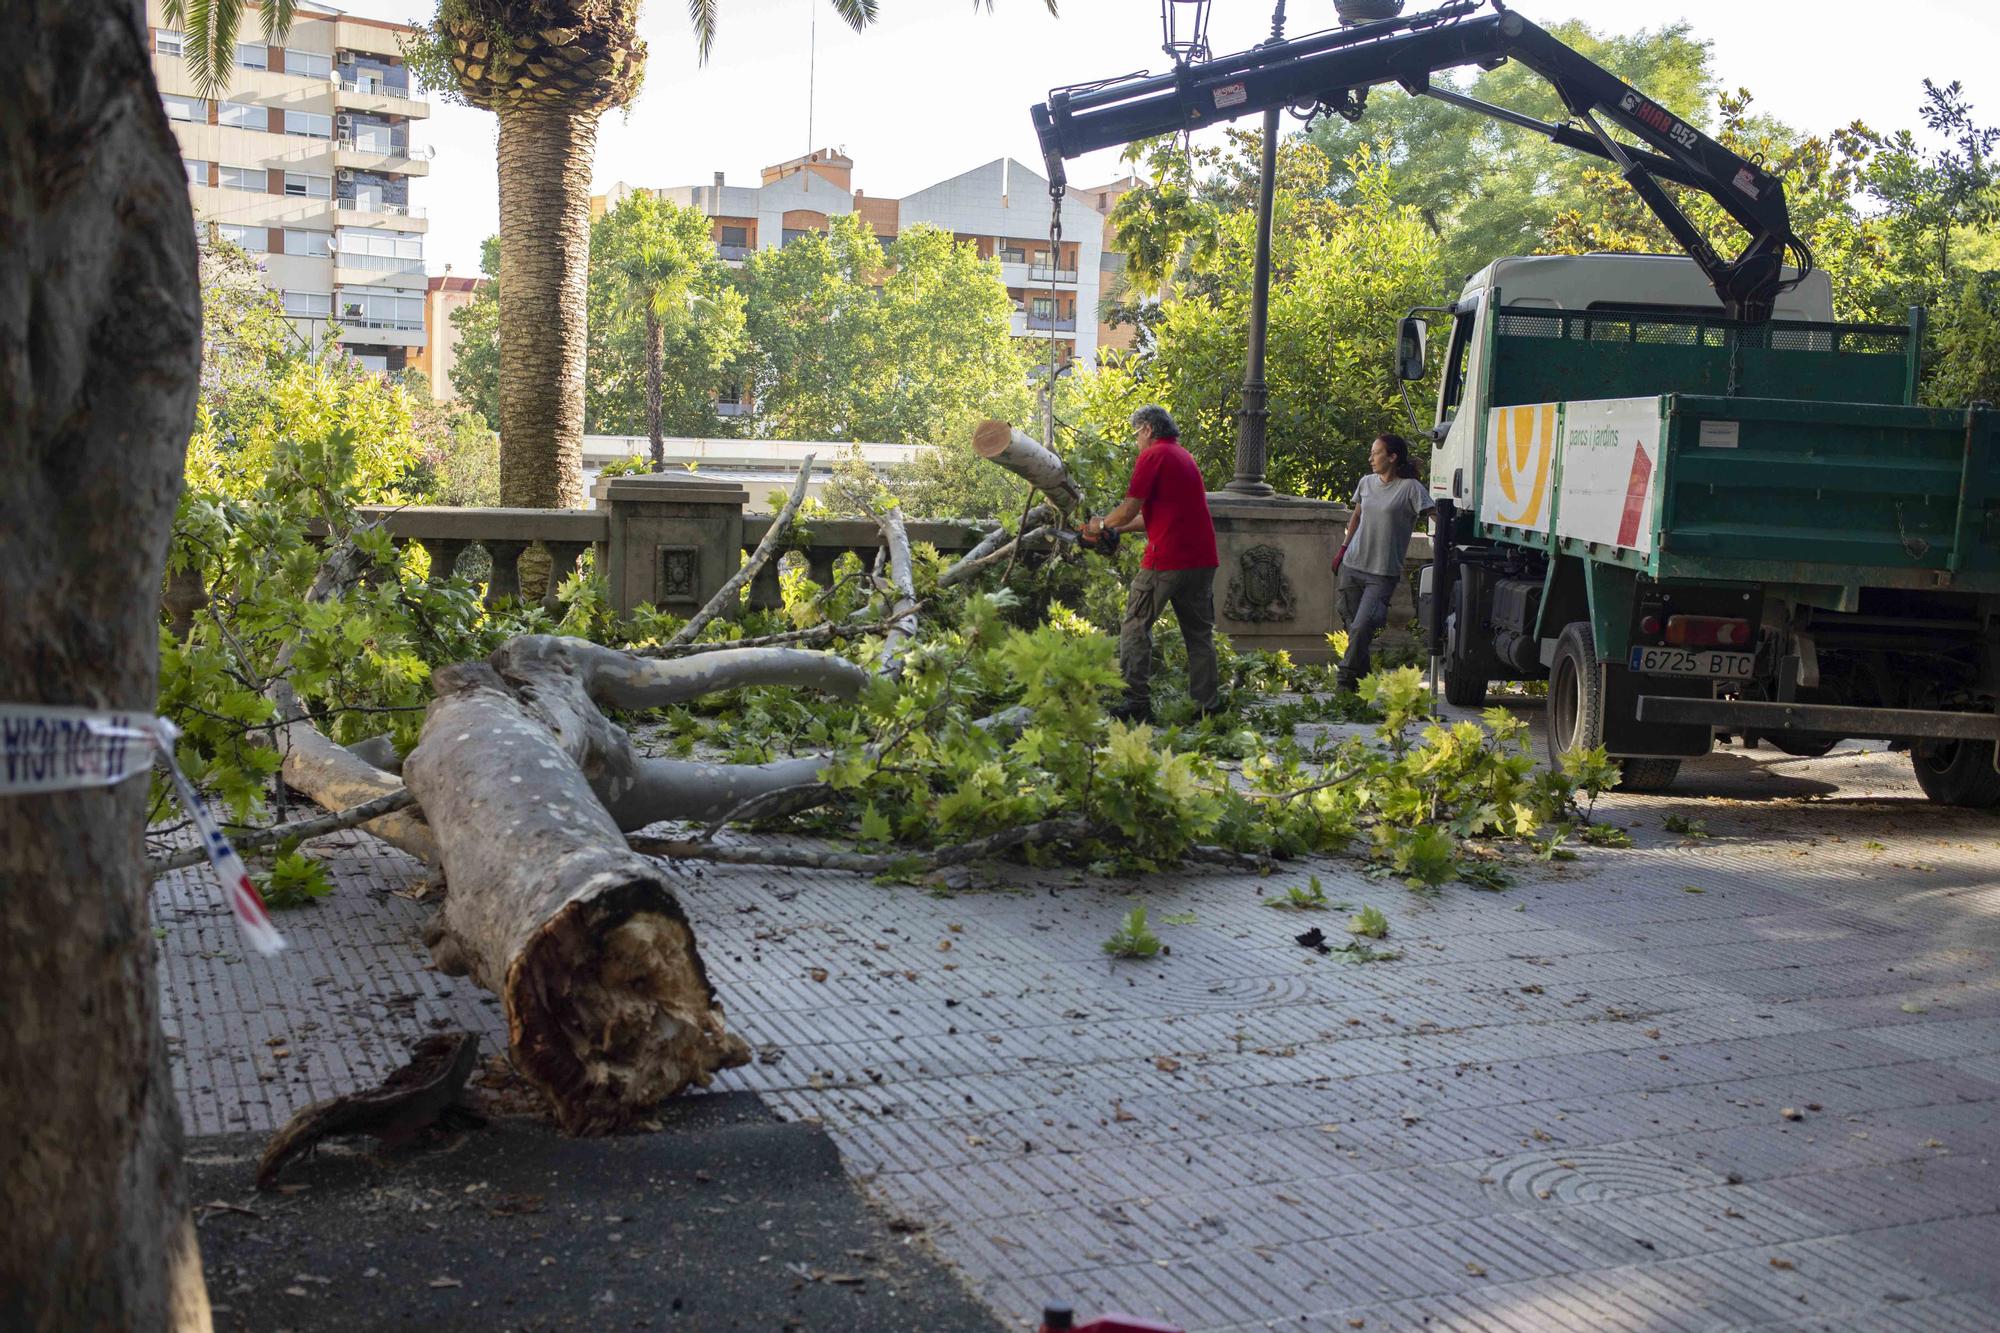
(1957, 773)
(1576, 713)
(1461, 687)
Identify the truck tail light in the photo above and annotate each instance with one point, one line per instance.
(1707, 632)
(1649, 625)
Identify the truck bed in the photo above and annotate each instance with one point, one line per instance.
(1804, 470)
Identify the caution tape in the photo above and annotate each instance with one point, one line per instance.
(49, 749)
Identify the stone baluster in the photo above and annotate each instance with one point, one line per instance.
(562, 563)
(505, 581)
(444, 553)
(819, 564)
(765, 594)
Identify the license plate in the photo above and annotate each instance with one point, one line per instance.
(1707, 662)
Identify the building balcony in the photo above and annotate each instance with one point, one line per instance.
(378, 271)
(734, 253)
(380, 332)
(353, 92)
(374, 213)
(1051, 323)
(1050, 273)
(729, 409)
(388, 158)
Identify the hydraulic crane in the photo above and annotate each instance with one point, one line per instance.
(1333, 72)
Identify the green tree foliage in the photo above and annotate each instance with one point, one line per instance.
(1341, 273)
(661, 303)
(475, 373)
(1487, 189)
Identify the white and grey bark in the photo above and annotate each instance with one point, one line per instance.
(726, 596)
(609, 1009)
(1034, 539)
(100, 342)
(1025, 457)
(974, 560)
(903, 613)
(300, 829)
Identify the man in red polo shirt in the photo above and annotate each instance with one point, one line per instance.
(1169, 503)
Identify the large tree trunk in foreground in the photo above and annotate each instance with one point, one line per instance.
(608, 1006)
(528, 789)
(545, 155)
(100, 339)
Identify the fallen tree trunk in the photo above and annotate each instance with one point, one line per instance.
(996, 544)
(1024, 456)
(609, 1009)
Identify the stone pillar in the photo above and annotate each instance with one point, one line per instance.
(675, 538)
(1274, 588)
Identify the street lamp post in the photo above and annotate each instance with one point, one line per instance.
(1252, 417)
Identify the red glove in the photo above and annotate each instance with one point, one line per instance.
(1339, 556)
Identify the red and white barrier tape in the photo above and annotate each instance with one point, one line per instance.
(48, 749)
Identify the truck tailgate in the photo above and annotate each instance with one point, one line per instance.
(1854, 494)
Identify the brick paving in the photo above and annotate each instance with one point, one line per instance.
(1561, 1108)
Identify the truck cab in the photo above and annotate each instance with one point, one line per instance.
(1594, 282)
(1691, 525)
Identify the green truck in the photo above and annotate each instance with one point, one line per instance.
(1689, 525)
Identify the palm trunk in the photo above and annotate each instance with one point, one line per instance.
(100, 344)
(656, 355)
(545, 157)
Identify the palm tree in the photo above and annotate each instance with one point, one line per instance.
(549, 69)
(656, 275)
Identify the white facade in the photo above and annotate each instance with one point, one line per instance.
(307, 163)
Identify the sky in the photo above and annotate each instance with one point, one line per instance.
(940, 86)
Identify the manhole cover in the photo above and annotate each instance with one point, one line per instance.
(1594, 1175)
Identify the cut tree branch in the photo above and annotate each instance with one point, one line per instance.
(903, 615)
(387, 803)
(870, 863)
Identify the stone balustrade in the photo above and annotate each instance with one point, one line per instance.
(664, 539)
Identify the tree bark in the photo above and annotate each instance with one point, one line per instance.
(903, 614)
(656, 356)
(999, 442)
(100, 336)
(609, 1009)
(545, 157)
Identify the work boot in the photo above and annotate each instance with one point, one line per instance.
(1344, 685)
(1132, 710)
(1206, 711)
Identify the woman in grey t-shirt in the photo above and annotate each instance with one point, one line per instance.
(1387, 504)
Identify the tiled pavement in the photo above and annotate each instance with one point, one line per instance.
(1562, 1108)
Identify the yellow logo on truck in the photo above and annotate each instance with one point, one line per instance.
(1523, 445)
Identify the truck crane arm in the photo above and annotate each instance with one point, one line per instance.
(1334, 71)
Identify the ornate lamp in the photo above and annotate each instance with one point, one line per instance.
(1184, 30)
(1352, 12)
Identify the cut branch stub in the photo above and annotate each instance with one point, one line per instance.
(999, 442)
(609, 1008)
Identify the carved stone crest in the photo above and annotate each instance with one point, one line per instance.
(679, 569)
(1258, 590)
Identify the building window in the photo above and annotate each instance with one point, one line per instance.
(736, 236)
(308, 305)
(375, 361)
(254, 239)
(243, 115)
(197, 170)
(308, 186)
(308, 244)
(307, 64)
(255, 179)
(253, 55)
(168, 43)
(1013, 255)
(185, 108)
(1044, 308)
(792, 234)
(311, 124)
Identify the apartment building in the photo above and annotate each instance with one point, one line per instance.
(307, 164)
(1002, 207)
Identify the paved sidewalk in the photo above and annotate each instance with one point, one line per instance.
(1564, 1107)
